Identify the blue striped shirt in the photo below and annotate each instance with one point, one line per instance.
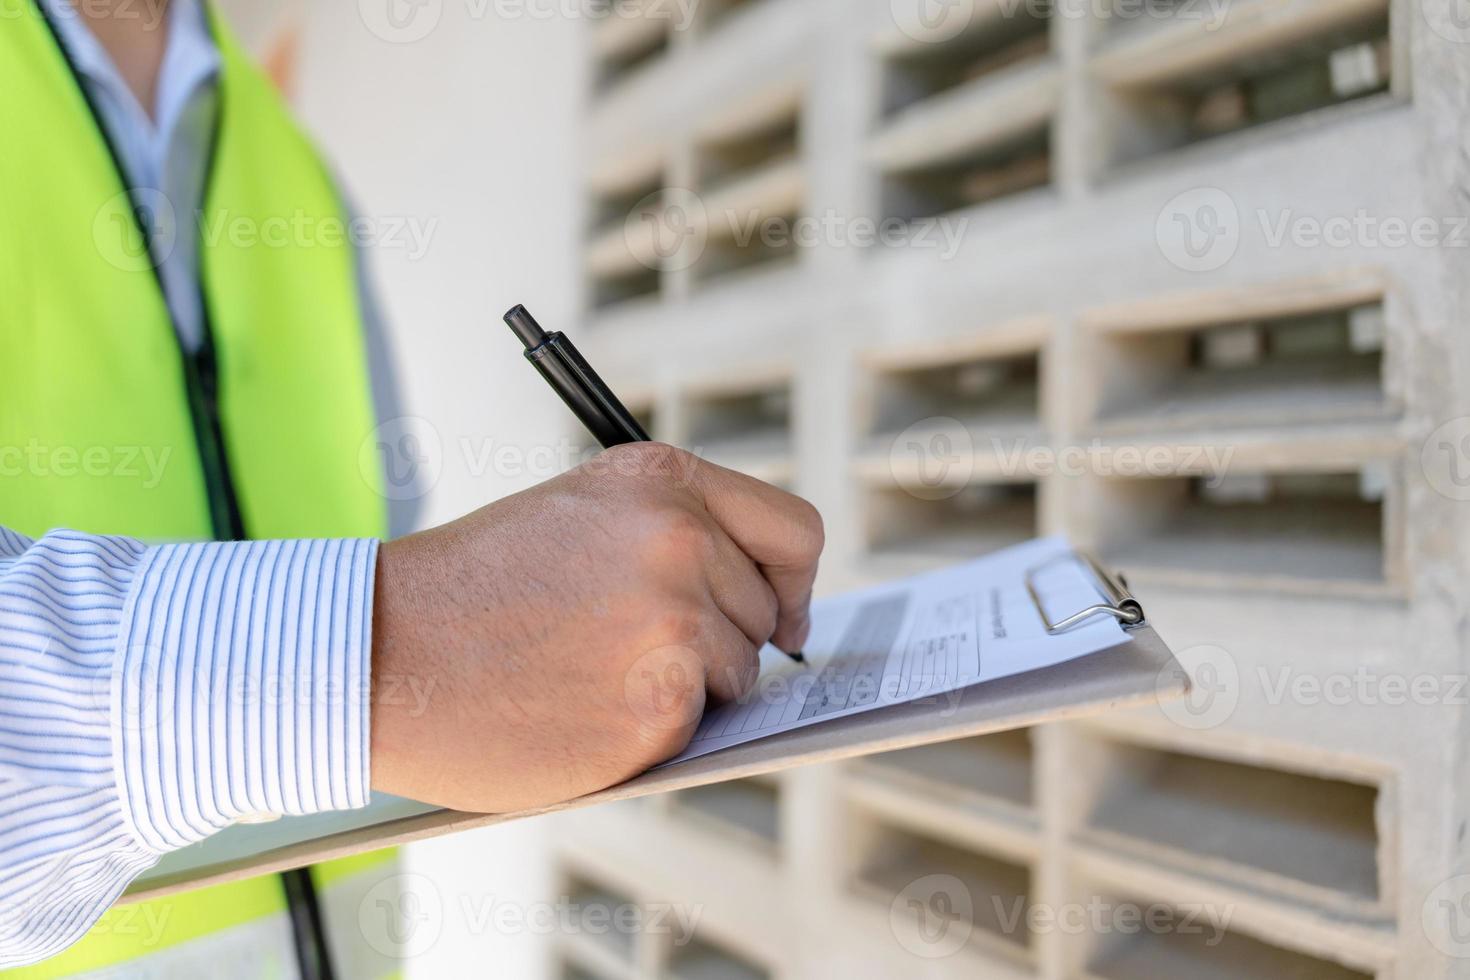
(150, 696)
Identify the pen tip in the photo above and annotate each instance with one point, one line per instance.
(798, 656)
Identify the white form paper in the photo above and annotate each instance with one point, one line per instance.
(923, 637)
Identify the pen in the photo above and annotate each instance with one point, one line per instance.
(589, 398)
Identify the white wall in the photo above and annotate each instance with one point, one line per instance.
(469, 131)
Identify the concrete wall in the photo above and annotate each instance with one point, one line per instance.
(1302, 815)
(1301, 801)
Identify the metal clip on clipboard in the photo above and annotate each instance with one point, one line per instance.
(1119, 603)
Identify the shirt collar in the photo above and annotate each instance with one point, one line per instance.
(190, 60)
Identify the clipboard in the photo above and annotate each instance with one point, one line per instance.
(1134, 674)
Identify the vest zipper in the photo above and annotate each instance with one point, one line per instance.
(201, 380)
(201, 383)
(200, 369)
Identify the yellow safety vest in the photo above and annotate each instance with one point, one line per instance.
(266, 431)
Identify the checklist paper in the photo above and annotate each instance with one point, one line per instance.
(922, 638)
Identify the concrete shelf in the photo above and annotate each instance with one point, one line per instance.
(610, 949)
(582, 958)
(750, 181)
(1169, 949)
(1185, 80)
(1310, 543)
(737, 206)
(967, 119)
(622, 254)
(1157, 51)
(632, 29)
(936, 522)
(968, 794)
(888, 859)
(987, 393)
(740, 417)
(699, 960)
(745, 813)
(1308, 377)
(1303, 836)
(985, 114)
(1326, 365)
(1280, 918)
(626, 40)
(992, 769)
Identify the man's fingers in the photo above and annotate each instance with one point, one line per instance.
(780, 532)
(731, 659)
(740, 590)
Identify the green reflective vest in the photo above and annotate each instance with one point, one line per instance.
(106, 426)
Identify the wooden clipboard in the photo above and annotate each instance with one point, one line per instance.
(1132, 674)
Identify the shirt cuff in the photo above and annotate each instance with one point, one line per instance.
(240, 687)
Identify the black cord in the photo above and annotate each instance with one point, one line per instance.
(312, 955)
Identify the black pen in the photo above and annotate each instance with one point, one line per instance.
(589, 398)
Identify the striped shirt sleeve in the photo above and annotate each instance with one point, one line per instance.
(151, 696)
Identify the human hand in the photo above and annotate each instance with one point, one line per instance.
(572, 633)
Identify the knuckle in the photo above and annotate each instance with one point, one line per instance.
(810, 533)
(677, 623)
(770, 615)
(747, 671)
(734, 670)
(647, 459)
(676, 537)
